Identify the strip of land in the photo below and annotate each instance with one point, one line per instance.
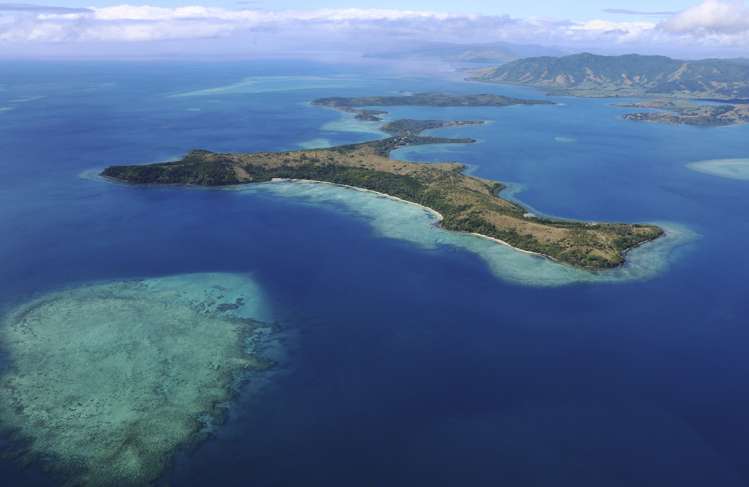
(355, 104)
(466, 203)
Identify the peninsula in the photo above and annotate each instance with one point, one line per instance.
(465, 203)
(355, 105)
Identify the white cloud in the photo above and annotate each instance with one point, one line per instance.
(710, 17)
(128, 22)
(622, 32)
(712, 23)
(144, 22)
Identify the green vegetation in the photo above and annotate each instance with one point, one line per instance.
(629, 75)
(192, 169)
(467, 204)
(411, 128)
(427, 100)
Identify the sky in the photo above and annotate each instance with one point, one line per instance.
(581, 9)
(260, 28)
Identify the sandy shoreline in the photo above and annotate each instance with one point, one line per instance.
(435, 213)
(496, 240)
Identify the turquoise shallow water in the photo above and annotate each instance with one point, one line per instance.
(108, 379)
(413, 224)
(423, 357)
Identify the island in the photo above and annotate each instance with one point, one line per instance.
(679, 112)
(464, 203)
(354, 105)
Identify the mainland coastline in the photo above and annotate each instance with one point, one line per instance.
(673, 87)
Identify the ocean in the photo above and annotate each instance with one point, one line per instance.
(413, 356)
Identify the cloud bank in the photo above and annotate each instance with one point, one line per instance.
(714, 25)
(626, 11)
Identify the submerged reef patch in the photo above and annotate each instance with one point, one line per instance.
(270, 84)
(725, 168)
(107, 380)
(565, 140)
(319, 143)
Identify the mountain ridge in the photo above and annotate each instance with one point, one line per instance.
(592, 75)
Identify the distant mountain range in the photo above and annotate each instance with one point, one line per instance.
(496, 52)
(629, 75)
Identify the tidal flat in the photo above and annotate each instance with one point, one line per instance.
(106, 381)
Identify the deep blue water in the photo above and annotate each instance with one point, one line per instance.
(412, 367)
